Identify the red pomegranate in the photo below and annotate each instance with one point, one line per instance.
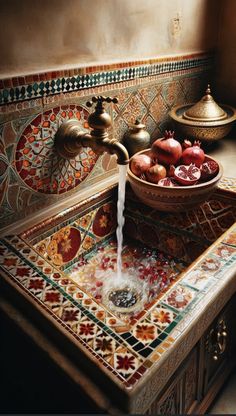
(155, 173)
(167, 150)
(187, 174)
(192, 153)
(140, 163)
(209, 169)
(167, 182)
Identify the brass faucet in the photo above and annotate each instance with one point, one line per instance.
(69, 138)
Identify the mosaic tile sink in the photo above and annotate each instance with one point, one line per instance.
(181, 262)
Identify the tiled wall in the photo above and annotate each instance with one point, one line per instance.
(32, 176)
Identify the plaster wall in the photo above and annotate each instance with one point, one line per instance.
(46, 35)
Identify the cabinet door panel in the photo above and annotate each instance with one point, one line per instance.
(168, 403)
(190, 383)
(219, 345)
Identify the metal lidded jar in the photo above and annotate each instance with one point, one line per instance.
(136, 138)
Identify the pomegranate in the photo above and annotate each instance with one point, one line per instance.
(140, 163)
(187, 174)
(167, 182)
(209, 169)
(192, 153)
(167, 149)
(171, 171)
(155, 173)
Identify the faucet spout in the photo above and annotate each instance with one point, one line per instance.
(69, 138)
(115, 147)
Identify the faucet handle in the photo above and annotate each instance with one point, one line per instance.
(100, 99)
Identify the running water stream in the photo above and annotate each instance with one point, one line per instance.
(123, 292)
(120, 217)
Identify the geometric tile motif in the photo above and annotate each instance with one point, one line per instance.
(180, 234)
(76, 319)
(40, 170)
(125, 363)
(127, 352)
(24, 91)
(37, 161)
(64, 246)
(148, 267)
(104, 345)
(228, 184)
(145, 332)
(162, 317)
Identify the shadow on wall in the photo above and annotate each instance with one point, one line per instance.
(226, 53)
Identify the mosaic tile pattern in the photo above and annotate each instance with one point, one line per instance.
(228, 184)
(13, 90)
(38, 164)
(79, 236)
(153, 271)
(124, 351)
(185, 235)
(32, 177)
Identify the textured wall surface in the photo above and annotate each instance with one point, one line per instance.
(154, 65)
(55, 34)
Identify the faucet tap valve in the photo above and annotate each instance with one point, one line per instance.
(69, 138)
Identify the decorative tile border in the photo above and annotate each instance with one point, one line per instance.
(45, 84)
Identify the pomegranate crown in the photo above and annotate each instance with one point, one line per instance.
(197, 143)
(187, 143)
(169, 134)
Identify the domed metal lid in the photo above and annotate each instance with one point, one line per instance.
(205, 110)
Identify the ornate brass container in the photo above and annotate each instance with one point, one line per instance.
(204, 120)
(136, 138)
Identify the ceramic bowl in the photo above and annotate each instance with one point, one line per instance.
(205, 131)
(176, 199)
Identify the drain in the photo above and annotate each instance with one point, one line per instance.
(125, 295)
(123, 298)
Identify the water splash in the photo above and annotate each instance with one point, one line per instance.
(120, 217)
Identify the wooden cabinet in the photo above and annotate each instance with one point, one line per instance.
(218, 353)
(190, 390)
(196, 383)
(169, 402)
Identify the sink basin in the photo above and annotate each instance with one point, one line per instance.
(64, 269)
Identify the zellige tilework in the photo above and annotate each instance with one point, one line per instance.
(125, 347)
(32, 175)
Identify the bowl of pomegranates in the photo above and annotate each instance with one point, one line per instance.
(173, 176)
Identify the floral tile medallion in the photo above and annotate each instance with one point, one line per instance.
(198, 279)
(179, 298)
(162, 317)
